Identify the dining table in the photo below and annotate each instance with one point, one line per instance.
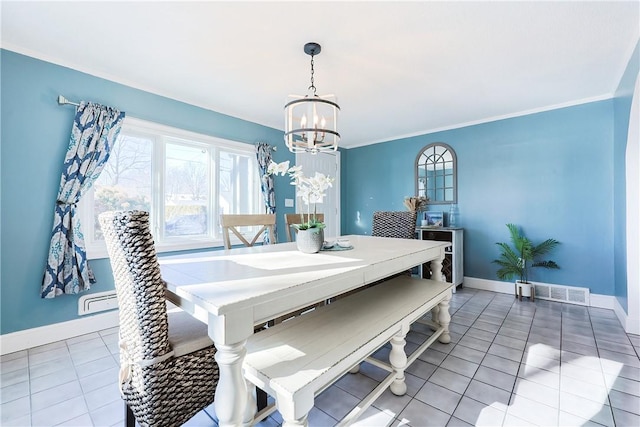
(236, 289)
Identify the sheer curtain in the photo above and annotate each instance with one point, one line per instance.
(95, 130)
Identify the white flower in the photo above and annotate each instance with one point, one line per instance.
(310, 189)
(278, 168)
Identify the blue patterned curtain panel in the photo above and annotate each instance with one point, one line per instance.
(95, 129)
(263, 153)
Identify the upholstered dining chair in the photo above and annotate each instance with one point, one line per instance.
(297, 218)
(232, 222)
(167, 367)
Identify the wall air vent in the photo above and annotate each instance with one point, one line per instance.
(560, 293)
(95, 303)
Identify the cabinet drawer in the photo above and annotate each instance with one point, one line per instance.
(440, 236)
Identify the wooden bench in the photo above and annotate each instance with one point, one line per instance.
(296, 360)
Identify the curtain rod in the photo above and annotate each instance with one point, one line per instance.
(273, 147)
(64, 101)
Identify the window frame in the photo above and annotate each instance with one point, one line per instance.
(161, 135)
(425, 158)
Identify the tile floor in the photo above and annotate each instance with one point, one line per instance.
(509, 363)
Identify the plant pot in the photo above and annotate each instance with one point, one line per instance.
(524, 289)
(310, 240)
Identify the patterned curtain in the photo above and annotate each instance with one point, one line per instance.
(263, 153)
(95, 129)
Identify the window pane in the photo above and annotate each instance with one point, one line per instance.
(183, 179)
(125, 181)
(187, 190)
(237, 186)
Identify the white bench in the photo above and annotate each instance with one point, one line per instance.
(297, 359)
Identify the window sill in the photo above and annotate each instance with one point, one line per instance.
(100, 252)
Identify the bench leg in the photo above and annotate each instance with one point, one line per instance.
(398, 360)
(295, 412)
(355, 369)
(444, 318)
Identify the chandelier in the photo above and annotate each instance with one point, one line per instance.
(311, 121)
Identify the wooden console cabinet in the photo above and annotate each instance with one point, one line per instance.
(452, 267)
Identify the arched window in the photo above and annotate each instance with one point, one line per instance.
(436, 174)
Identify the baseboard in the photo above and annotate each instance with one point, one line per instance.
(631, 326)
(34, 337)
(489, 285)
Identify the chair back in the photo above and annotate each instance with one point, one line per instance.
(139, 285)
(231, 222)
(400, 224)
(298, 218)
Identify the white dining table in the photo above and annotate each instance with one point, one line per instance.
(233, 290)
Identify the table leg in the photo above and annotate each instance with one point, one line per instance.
(444, 318)
(231, 392)
(436, 274)
(398, 360)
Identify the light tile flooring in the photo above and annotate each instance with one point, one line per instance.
(509, 363)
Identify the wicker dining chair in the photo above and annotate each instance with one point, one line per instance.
(167, 368)
(400, 224)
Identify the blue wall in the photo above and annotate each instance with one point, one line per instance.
(550, 172)
(35, 135)
(558, 174)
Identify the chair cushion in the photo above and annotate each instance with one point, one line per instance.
(186, 334)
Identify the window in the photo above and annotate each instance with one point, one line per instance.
(183, 179)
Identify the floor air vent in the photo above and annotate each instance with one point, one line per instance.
(559, 293)
(95, 303)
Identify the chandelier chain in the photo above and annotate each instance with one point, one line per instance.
(312, 71)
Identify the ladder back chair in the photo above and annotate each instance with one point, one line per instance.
(167, 368)
(296, 218)
(231, 222)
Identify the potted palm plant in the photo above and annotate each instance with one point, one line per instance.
(516, 260)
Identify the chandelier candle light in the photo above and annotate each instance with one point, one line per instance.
(311, 121)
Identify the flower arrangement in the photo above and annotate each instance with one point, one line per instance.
(310, 189)
(417, 203)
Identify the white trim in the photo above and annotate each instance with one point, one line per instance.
(34, 337)
(631, 326)
(632, 226)
(487, 120)
(604, 301)
(488, 285)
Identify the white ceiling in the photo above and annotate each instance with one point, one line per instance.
(398, 68)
